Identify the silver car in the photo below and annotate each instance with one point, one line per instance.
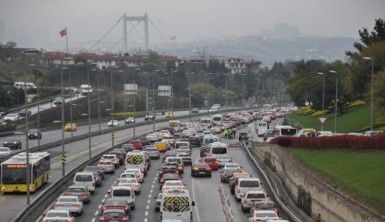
(70, 203)
(58, 216)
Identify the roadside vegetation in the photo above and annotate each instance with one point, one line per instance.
(360, 173)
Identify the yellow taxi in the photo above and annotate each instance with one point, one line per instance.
(70, 127)
(161, 146)
(169, 115)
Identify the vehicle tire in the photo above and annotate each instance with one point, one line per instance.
(80, 213)
(157, 210)
(232, 192)
(133, 207)
(193, 175)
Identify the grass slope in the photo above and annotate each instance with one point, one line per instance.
(361, 173)
(352, 121)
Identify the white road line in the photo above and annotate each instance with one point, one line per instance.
(151, 191)
(152, 186)
(196, 203)
(147, 207)
(149, 201)
(100, 206)
(146, 213)
(96, 213)
(145, 219)
(93, 219)
(149, 196)
(104, 200)
(105, 196)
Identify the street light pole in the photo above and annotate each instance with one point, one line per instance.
(112, 109)
(371, 90)
(70, 102)
(97, 95)
(62, 120)
(243, 91)
(38, 111)
(323, 97)
(226, 93)
(336, 101)
(28, 168)
(89, 115)
(189, 94)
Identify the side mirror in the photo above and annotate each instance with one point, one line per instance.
(193, 203)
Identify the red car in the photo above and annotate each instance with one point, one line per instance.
(115, 215)
(212, 162)
(115, 204)
(136, 144)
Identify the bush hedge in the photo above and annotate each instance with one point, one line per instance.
(333, 142)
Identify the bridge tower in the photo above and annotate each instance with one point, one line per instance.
(143, 19)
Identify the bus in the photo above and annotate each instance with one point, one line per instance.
(285, 130)
(13, 172)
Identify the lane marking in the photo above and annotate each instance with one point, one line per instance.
(194, 198)
(96, 213)
(147, 207)
(104, 200)
(146, 213)
(148, 201)
(93, 219)
(105, 196)
(145, 219)
(100, 206)
(149, 196)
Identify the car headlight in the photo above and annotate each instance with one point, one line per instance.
(14, 142)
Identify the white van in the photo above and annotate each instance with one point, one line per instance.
(135, 159)
(209, 138)
(176, 205)
(86, 179)
(125, 193)
(217, 119)
(217, 149)
(205, 122)
(246, 184)
(262, 128)
(182, 143)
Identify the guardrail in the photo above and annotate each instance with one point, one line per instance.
(44, 199)
(287, 210)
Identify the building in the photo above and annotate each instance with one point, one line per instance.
(236, 65)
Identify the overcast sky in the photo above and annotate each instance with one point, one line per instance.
(36, 23)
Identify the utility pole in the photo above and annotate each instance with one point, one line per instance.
(28, 168)
(62, 120)
(112, 110)
(89, 115)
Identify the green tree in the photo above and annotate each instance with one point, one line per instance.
(379, 92)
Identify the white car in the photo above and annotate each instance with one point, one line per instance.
(112, 123)
(58, 215)
(264, 215)
(69, 203)
(10, 117)
(4, 151)
(324, 133)
(152, 137)
(131, 182)
(138, 173)
(173, 184)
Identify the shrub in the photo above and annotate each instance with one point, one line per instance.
(357, 103)
(306, 110)
(318, 114)
(333, 142)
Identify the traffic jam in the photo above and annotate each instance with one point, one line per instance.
(128, 168)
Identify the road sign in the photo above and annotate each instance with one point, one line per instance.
(131, 89)
(164, 90)
(63, 158)
(113, 135)
(322, 119)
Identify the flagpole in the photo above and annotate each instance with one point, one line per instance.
(67, 39)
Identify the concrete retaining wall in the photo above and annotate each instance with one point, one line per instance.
(318, 199)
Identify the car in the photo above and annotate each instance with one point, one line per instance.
(195, 110)
(34, 134)
(129, 120)
(86, 179)
(124, 193)
(58, 215)
(251, 197)
(263, 215)
(10, 117)
(243, 137)
(70, 127)
(114, 203)
(131, 182)
(152, 152)
(307, 132)
(158, 201)
(70, 203)
(95, 169)
(228, 170)
(212, 162)
(373, 133)
(246, 184)
(167, 169)
(4, 151)
(169, 115)
(172, 185)
(119, 153)
(152, 137)
(178, 161)
(12, 143)
(265, 204)
(113, 215)
(25, 112)
(149, 117)
(137, 171)
(107, 166)
(186, 157)
(58, 101)
(166, 177)
(111, 158)
(169, 153)
(80, 191)
(324, 133)
(136, 144)
(200, 169)
(233, 180)
(144, 140)
(223, 160)
(112, 123)
(161, 146)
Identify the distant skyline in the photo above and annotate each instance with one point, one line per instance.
(36, 23)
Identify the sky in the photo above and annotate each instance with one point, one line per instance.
(36, 23)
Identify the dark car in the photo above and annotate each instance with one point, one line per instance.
(12, 143)
(152, 152)
(95, 169)
(127, 147)
(158, 202)
(113, 215)
(34, 134)
(195, 110)
(116, 203)
(200, 169)
(167, 177)
(25, 112)
(120, 153)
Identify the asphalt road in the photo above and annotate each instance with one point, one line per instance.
(55, 135)
(203, 190)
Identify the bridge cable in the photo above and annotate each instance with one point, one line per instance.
(108, 32)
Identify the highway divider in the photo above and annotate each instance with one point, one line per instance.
(225, 204)
(289, 212)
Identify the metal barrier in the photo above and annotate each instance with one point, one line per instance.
(287, 210)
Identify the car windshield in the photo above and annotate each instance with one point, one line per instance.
(13, 175)
(4, 149)
(83, 178)
(121, 193)
(56, 214)
(108, 157)
(256, 195)
(249, 183)
(115, 202)
(265, 214)
(218, 150)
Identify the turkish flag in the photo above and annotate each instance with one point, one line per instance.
(63, 32)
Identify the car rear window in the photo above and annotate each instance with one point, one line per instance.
(249, 183)
(218, 150)
(121, 193)
(83, 178)
(256, 195)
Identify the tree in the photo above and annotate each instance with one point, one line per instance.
(379, 92)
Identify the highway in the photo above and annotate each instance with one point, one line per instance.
(203, 190)
(55, 135)
(77, 153)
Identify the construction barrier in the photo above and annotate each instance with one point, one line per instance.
(226, 204)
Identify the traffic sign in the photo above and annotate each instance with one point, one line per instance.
(63, 158)
(113, 135)
(322, 119)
